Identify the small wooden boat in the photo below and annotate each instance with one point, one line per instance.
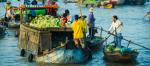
(70, 1)
(108, 6)
(147, 15)
(118, 2)
(135, 2)
(116, 55)
(13, 24)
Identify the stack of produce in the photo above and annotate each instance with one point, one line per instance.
(112, 48)
(45, 22)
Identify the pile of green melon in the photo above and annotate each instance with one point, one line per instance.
(112, 48)
(46, 22)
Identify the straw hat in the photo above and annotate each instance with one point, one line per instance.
(8, 2)
(91, 9)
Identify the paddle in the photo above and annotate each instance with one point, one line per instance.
(128, 40)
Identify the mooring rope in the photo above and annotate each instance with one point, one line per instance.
(123, 38)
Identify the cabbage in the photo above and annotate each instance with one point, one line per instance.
(45, 22)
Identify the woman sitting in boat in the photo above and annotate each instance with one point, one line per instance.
(116, 28)
(68, 15)
(64, 20)
(9, 13)
(78, 35)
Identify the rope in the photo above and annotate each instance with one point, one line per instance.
(124, 39)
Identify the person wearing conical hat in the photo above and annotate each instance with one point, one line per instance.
(91, 23)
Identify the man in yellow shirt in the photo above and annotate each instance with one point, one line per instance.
(83, 22)
(78, 35)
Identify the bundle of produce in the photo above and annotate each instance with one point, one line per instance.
(109, 48)
(112, 48)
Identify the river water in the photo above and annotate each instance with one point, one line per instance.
(136, 28)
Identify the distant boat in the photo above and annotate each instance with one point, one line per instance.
(147, 15)
(118, 1)
(70, 1)
(108, 6)
(135, 2)
(13, 24)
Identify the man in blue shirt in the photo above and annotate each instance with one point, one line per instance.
(91, 23)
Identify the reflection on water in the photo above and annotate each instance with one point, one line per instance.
(135, 28)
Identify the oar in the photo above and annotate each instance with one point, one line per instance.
(128, 40)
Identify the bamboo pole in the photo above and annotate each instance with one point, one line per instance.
(79, 5)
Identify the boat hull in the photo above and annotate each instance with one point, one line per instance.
(64, 56)
(123, 54)
(117, 57)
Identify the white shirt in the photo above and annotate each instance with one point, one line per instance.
(116, 25)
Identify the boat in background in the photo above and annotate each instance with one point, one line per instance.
(118, 2)
(147, 15)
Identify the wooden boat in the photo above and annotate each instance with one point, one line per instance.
(108, 6)
(118, 56)
(147, 15)
(70, 1)
(118, 2)
(50, 46)
(135, 2)
(13, 24)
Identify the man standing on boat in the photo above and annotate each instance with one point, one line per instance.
(8, 14)
(78, 35)
(91, 23)
(83, 24)
(116, 28)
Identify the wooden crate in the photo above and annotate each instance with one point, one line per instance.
(38, 40)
